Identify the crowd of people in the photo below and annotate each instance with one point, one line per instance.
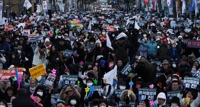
(115, 59)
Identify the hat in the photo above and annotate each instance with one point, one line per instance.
(102, 63)
(175, 77)
(19, 47)
(99, 42)
(165, 62)
(47, 40)
(161, 95)
(121, 82)
(184, 58)
(176, 100)
(121, 35)
(67, 70)
(96, 95)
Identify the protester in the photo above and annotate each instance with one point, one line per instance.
(100, 59)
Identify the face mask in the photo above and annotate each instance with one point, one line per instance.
(2, 106)
(73, 102)
(40, 93)
(193, 69)
(122, 87)
(103, 33)
(19, 51)
(103, 106)
(89, 84)
(84, 82)
(174, 65)
(174, 105)
(141, 106)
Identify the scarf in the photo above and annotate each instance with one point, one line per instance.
(32, 89)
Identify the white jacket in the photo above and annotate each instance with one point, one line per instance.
(36, 58)
(195, 103)
(2, 61)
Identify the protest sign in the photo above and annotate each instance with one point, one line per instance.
(68, 53)
(171, 94)
(127, 69)
(146, 93)
(5, 75)
(118, 93)
(193, 44)
(98, 88)
(44, 5)
(70, 79)
(197, 74)
(131, 103)
(37, 71)
(9, 28)
(50, 80)
(110, 28)
(191, 82)
(25, 32)
(159, 74)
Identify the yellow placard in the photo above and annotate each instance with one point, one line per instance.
(37, 71)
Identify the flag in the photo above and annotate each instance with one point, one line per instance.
(183, 6)
(27, 4)
(136, 25)
(110, 75)
(196, 7)
(90, 26)
(192, 6)
(108, 42)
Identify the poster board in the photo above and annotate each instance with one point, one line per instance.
(50, 80)
(146, 93)
(70, 79)
(191, 82)
(171, 94)
(37, 71)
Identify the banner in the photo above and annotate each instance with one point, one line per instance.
(191, 82)
(9, 28)
(98, 88)
(131, 103)
(70, 79)
(171, 94)
(193, 44)
(159, 74)
(27, 4)
(6, 74)
(37, 71)
(110, 28)
(146, 93)
(1, 9)
(50, 80)
(127, 69)
(118, 92)
(26, 32)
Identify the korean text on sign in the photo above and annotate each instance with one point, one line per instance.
(146, 93)
(37, 71)
(191, 82)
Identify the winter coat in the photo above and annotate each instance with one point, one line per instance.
(194, 103)
(36, 58)
(143, 50)
(155, 103)
(53, 60)
(23, 102)
(121, 51)
(152, 48)
(18, 60)
(2, 61)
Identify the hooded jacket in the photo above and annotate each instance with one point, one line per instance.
(162, 96)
